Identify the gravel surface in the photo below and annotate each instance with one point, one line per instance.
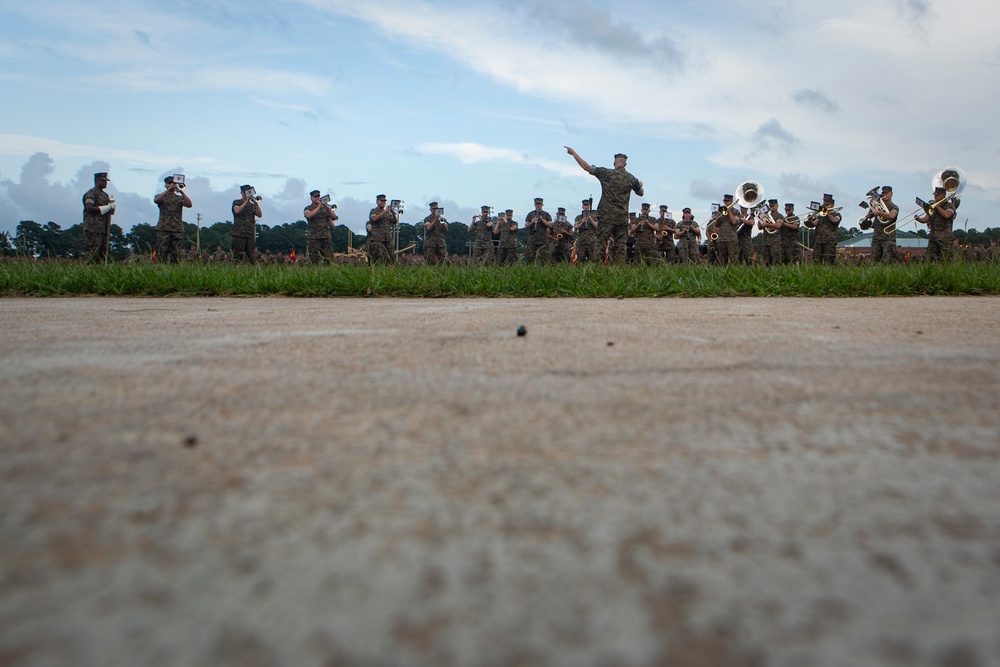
(410, 482)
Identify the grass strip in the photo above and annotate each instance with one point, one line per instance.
(55, 279)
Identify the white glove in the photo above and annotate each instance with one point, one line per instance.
(113, 205)
(104, 209)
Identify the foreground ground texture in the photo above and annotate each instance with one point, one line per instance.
(373, 482)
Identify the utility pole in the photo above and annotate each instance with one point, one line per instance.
(197, 236)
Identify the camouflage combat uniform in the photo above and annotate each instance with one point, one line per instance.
(743, 242)
(507, 250)
(319, 244)
(790, 249)
(561, 247)
(617, 186)
(244, 228)
(647, 249)
(825, 248)
(170, 228)
(941, 244)
(586, 238)
(727, 245)
(538, 241)
(687, 244)
(884, 245)
(435, 248)
(379, 244)
(95, 225)
(772, 249)
(482, 249)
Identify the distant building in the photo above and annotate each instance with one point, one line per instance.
(905, 241)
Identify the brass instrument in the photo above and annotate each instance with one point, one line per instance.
(252, 194)
(874, 205)
(764, 218)
(749, 193)
(397, 206)
(179, 181)
(952, 179)
(325, 199)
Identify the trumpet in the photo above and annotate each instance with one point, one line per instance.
(252, 194)
(397, 206)
(179, 181)
(325, 199)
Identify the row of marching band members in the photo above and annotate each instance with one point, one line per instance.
(587, 238)
(656, 240)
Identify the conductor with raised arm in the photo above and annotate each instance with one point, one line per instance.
(617, 186)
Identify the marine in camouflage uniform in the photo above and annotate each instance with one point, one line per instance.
(319, 221)
(727, 243)
(435, 226)
(883, 244)
(647, 250)
(688, 237)
(665, 237)
(379, 244)
(506, 225)
(482, 248)
(585, 225)
(98, 207)
(771, 247)
(744, 231)
(825, 248)
(789, 233)
(170, 228)
(941, 244)
(538, 223)
(245, 214)
(617, 186)
(562, 246)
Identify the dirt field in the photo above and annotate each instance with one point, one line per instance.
(372, 482)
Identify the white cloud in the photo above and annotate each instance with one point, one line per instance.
(472, 153)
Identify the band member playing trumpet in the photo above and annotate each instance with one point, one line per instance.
(771, 223)
(617, 186)
(827, 222)
(506, 226)
(585, 226)
(790, 249)
(688, 237)
(170, 228)
(98, 207)
(647, 249)
(379, 244)
(320, 218)
(561, 237)
(435, 227)
(939, 216)
(482, 225)
(667, 232)
(245, 213)
(877, 219)
(539, 224)
(727, 243)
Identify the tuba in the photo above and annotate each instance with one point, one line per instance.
(749, 193)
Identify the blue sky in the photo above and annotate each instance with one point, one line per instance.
(471, 103)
